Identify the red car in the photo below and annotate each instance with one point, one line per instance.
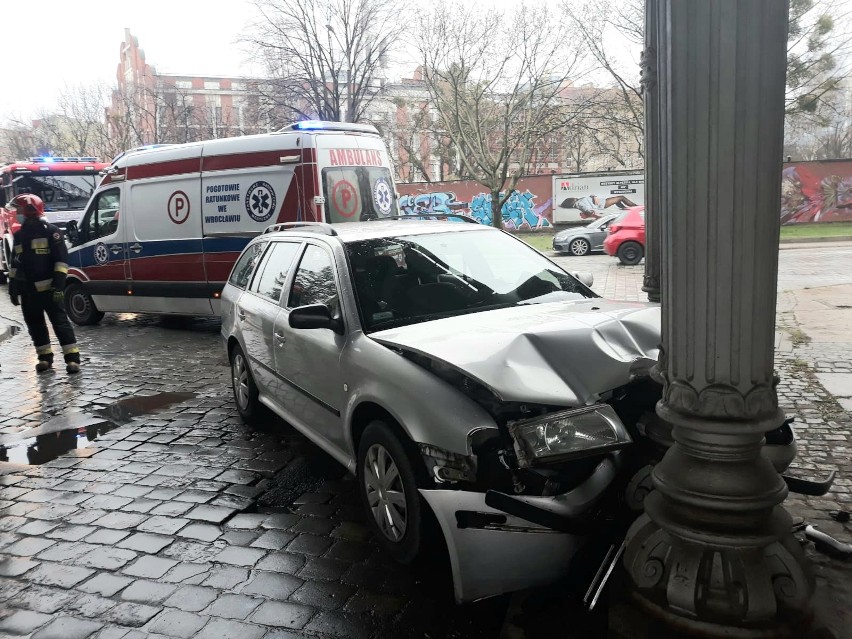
(626, 237)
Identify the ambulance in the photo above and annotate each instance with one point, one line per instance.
(166, 224)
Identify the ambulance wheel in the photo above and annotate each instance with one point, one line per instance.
(245, 390)
(80, 306)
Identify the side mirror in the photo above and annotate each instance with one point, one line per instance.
(315, 316)
(72, 232)
(586, 278)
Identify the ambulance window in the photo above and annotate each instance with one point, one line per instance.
(273, 270)
(101, 220)
(343, 196)
(314, 281)
(245, 265)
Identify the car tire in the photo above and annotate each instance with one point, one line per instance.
(579, 246)
(246, 395)
(80, 306)
(630, 253)
(397, 521)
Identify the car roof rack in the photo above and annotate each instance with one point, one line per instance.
(415, 216)
(312, 227)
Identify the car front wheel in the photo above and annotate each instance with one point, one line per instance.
(388, 488)
(81, 307)
(579, 246)
(630, 253)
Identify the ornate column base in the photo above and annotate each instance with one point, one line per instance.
(651, 285)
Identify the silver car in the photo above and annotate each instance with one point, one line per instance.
(582, 240)
(464, 378)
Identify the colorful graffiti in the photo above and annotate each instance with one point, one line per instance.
(816, 192)
(519, 211)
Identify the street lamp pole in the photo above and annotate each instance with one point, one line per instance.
(714, 554)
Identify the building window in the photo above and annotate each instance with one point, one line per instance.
(211, 84)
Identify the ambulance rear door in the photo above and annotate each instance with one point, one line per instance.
(355, 175)
(246, 184)
(165, 250)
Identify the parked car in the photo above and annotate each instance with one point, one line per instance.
(582, 240)
(626, 237)
(496, 399)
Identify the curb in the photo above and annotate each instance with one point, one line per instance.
(810, 240)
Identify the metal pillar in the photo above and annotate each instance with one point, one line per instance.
(653, 195)
(714, 553)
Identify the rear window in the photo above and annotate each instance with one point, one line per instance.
(244, 267)
(357, 193)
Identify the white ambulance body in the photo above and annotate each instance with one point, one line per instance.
(166, 224)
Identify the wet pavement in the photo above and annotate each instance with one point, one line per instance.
(135, 503)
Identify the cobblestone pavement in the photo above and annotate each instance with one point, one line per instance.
(182, 522)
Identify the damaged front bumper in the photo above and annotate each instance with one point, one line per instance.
(500, 543)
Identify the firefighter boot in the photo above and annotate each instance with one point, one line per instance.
(72, 362)
(45, 359)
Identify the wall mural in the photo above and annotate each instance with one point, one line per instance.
(520, 213)
(816, 192)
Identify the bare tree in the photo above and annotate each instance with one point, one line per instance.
(324, 57)
(494, 81)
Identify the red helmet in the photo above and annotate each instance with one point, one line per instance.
(30, 205)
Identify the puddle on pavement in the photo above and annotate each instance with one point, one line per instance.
(125, 409)
(52, 439)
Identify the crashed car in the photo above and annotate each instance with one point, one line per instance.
(463, 377)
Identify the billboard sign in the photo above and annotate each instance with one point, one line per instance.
(588, 196)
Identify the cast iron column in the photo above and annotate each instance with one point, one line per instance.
(714, 552)
(653, 196)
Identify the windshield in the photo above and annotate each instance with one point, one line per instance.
(59, 192)
(357, 193)
(416, 278)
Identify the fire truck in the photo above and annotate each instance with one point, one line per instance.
(63, 183)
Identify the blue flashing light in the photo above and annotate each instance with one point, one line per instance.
(305, 125)
(47, 159)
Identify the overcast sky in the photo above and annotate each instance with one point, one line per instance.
(53, 42)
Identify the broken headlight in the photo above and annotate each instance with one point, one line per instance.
(568, 434)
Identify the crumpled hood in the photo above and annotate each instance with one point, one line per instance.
(563, 353)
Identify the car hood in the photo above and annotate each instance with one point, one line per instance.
(562, 353)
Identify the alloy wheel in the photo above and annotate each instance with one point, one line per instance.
(241, 381)
(579, 246)
(385, 493)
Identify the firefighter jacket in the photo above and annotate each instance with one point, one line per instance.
(39, 259)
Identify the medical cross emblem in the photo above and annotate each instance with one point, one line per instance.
(260, 201)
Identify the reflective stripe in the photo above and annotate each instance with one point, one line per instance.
(12, 272)
(19, 248)
(44, 350)
(43, 285)
(39, 242)
(70, 348)
(60, 267)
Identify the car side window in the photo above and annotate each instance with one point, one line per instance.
(314, 281)
(273, 270)
(244, 267)
(101, 219)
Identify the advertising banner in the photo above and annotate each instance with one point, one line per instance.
(588, 196)
(816, 192)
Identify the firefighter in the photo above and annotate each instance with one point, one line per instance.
(37, 281)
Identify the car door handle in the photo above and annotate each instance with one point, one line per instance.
(242, 315)
(280, 337)
(115, 250)
(136, 248)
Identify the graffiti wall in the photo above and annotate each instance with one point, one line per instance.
(529, 207)
(810, 192)
(816, 192)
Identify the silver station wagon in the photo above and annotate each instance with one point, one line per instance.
(464, 378)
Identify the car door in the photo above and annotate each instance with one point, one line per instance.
(308, 360)
(258, 308)
(598, 233)
(100, 251)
